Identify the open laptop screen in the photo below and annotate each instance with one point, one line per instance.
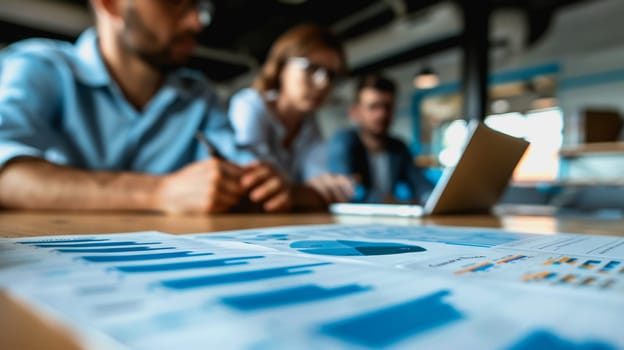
(474, 185)
(481, 175)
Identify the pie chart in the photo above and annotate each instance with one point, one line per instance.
(353, 248)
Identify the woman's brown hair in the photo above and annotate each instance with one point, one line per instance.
(299, 41)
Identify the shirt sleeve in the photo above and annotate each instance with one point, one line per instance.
(252, 133)
(219, 131)
(315, 160)
(29, 99)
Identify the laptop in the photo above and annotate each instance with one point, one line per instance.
(474, 185)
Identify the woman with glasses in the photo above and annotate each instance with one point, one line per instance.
(275, 118)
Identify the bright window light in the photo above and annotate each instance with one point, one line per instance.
(543, 128)
(453, 139)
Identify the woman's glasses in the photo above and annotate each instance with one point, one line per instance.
(318, 73)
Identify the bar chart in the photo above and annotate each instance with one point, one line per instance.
(374, 329)
(295, 295)
(338, 289)
(543, 339)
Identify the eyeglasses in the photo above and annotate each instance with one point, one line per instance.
(317, 72)
(180, 8)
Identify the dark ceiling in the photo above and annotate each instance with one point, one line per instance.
(248, 27)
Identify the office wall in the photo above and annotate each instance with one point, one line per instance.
(582, 39)
(592, 77)
(591, 81)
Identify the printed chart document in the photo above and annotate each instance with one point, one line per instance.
(326, 287)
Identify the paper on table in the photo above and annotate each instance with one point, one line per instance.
(582, 262)
(150, 290)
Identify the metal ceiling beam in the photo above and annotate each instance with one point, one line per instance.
(475, 49)
(360, 16)
(409, 54)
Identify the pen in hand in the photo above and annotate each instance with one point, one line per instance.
(212, 150)
(245, 203)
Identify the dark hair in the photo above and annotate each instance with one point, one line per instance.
(375, 81)
(298, 41)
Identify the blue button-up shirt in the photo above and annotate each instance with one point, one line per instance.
(58, 102)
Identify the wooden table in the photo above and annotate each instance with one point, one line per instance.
(21, 328)
(28, 223)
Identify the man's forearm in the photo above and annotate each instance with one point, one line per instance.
(37, 184)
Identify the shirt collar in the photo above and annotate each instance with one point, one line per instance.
(187, 83)
(91, 69)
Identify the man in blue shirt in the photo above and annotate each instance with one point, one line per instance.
(109, 123)
(382, 164)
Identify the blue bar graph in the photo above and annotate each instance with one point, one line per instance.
(139, 257)
(374, 329)
(92, 245)
(187, 265)
(610, 266)
(65, 241)
(270, 237)
(289, 296)
(484, 267)
(354, 248)
(239, 277)
(112, 250)
(542, 339)
(589, 264)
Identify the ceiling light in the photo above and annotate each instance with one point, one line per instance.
(426, 79)
(500, 106)
(544, 102)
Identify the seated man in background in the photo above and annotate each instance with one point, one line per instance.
(381, 164)
(110, 122)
